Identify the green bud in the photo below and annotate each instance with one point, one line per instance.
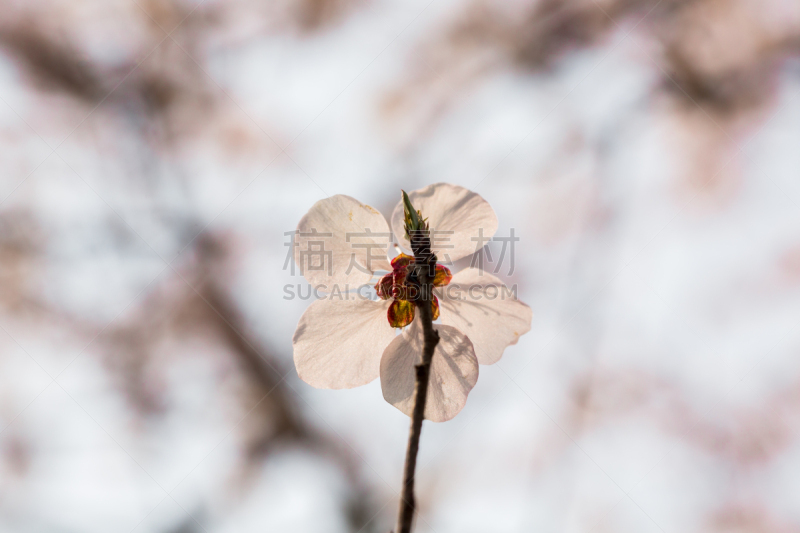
(412, 216)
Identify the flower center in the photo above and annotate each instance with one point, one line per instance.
(395, 286)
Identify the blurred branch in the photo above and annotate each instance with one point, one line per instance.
(53, 63)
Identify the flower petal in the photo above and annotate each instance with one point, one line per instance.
(442, 277)
(435, 307)
(400, 313)
(402, 261)
(337, 235)
(454, 371)
(459, 220)
(481, 306)
(338, 343)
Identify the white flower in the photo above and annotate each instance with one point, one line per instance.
(348, 342)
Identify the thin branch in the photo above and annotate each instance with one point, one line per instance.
(424, 273)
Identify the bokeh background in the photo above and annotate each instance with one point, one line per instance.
(153, 154)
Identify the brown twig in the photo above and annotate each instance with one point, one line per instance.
(424, 273)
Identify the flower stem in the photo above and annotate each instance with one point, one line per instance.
(425, 268)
